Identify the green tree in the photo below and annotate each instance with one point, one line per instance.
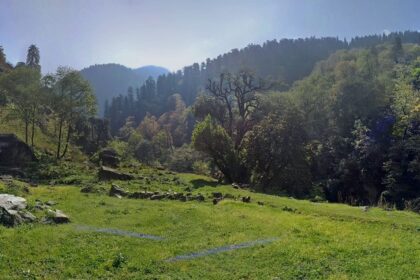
(213, 140)
(33, 57)
(23, 87)
(275, 154)
(71, 100)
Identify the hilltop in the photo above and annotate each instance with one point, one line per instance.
(110, 80)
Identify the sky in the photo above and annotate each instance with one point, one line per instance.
(176, 33)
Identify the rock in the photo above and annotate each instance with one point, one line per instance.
(51, 203)
(216, 200)
(141, 195)
(217, 195)
(365, 208)
(157, 197)
(14, 152)
(199, 197)
(28, 217)
(10, 218)
(107, 173)
(11, 202)
(87, 189)
(260, 203)
(117, 191)
(246, 199)
(182, 198)
(109, 157)
(235, 185)
(58, 217)
(6, 178)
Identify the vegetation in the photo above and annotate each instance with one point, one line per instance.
(313, 240)
(324, 120)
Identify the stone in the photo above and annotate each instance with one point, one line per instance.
(11, 202)
(109, 157)
(260, 203)
(199, 197)
(87, 189)
(58, 217)
(27, 216)
(14, 152)
(217, 195)
(235, 185)
(117, 191)
(10, 218)
(216, 200)
(246, 199)
(157, 197)
(51, 203)
(107, 173)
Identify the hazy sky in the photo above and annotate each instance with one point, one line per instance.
(175, 33)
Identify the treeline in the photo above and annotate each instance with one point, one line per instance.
(60, 105)
(282, 62)
(349, 132)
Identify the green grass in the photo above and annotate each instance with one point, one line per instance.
(315, 240)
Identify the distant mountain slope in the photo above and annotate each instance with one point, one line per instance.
(109, 80)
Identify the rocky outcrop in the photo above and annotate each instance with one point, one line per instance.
(107, 173)
(116, 191)
(14, 152)
(12, 210)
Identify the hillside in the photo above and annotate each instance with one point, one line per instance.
(276, 238)
(110, 80)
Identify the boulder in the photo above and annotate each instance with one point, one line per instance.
(246, 199)
(107, 173)
(14, 152)
(109, 157)
(10, 218)
(117, 191)
(11, 202)
(217, 195)
(57, 217)
(199, 197)
(157, 196)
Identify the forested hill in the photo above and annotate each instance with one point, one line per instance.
(283, 62)
(109, 80)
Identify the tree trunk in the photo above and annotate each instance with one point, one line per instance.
(67, 141)
(33, 132)
(26, 131)
(60, 129)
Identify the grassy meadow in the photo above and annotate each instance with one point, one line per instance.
(312, 240)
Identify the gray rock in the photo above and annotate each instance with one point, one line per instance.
(199, 197)
(27, 216)
(14, 152)
(58, 217)
(246, 199)
(217, 195)
(107, 173)
(11, 202)
(51, 203)
(117, 191)
(9, 217)
(157, 197)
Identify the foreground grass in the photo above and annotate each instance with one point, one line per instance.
(315, 241)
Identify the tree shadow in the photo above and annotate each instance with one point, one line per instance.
(199, 183)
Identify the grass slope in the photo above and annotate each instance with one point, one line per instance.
(315, 240)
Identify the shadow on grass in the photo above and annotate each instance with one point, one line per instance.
(199, 183)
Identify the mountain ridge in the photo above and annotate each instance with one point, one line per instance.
(111, 79)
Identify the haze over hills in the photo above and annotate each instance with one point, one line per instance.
(109, 80)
